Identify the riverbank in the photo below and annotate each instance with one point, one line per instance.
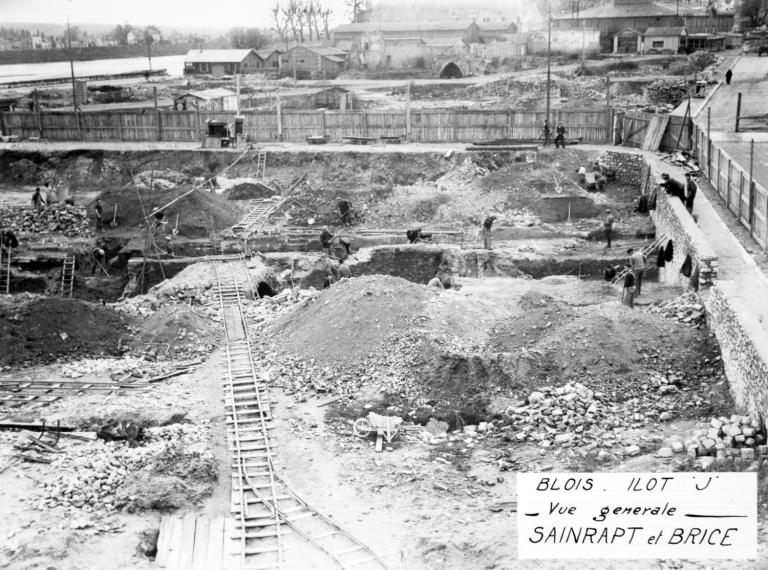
(90, 53)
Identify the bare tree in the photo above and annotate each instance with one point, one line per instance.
(307, 15)
(317, 9)
(356, 10)
(280, 22)
(326, 16)
(294, 13)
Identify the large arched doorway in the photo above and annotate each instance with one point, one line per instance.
(450, 71)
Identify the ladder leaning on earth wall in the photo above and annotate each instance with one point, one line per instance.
(646, 251)
(68, 275)
(5, 271)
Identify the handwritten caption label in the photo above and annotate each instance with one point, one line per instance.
(637, 515)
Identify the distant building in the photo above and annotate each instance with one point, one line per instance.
(271, 60)
(577, 40)
(621, 22)
(428, 31)
(220, 62)
(207, 100)
(133, 38)
(304, 62)
(663, 40)
(40, 42)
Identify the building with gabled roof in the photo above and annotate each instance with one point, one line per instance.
(305, 62)
(218, 99)
(222, 62)
(614, 18)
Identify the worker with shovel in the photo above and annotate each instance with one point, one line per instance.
(99, 258)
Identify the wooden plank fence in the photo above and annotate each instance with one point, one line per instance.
(746, 199)
(436, 125)
(632, 128)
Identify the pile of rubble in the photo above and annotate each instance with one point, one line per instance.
(668, 92)
(687, 309)
(737, 436)
(72, 221)
(88, 476)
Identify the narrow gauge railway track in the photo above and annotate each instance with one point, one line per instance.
(274, 526)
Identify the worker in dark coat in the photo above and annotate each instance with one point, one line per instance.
(560, 138)
(8, 240)
(345, 209)
(37, 199)
(547, 132)
(673, 187)
(728, 77)
(487, 230)
(690, 191)
(325, 240)
(628, 293)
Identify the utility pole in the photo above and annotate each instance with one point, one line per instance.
(549, 59)
(149, 50)
(72, 74)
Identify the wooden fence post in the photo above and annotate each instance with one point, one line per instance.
(37, 113)
(198, 128)
(717, 182)
(728, 185)
(157, 115)
(750, 214)
(279, 120)
(119, 121)
(364, 120)
(408, 109)
(2, 124)
(322, 123)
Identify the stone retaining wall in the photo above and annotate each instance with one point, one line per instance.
(744, 347)
(674, 221)
(630, 167)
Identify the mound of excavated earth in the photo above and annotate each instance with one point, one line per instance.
(34, 329)
(494, 335)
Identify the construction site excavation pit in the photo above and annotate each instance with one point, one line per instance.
(214, 350)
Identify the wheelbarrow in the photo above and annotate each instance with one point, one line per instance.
(386, 427)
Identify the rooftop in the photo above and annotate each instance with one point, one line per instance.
(669, 31)
(217, 55)
(634, 10)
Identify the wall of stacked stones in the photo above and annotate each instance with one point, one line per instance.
(673, 220)
(670, 217)
(744, 347)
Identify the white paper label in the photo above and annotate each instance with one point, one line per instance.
(637, 515)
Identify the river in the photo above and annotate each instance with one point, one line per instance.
(174, 64)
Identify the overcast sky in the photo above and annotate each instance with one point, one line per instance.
(211, 13)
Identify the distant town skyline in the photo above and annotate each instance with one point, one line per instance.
(169, 13)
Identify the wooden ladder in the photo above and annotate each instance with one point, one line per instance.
(261, 163)
(5, 271)
(646, 251)
(68, 275)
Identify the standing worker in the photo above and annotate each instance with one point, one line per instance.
(345, 210)
(487, 229)
(672, 186)
(37, 200)
(546, 132)
(608, 227)
(326, 238)
(728, 77)
(98, 214)
(560, 138)
(637, 263)
(628, 293)
(690, 192)
(8, 240)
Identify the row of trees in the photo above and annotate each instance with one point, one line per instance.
(294, 21)
(299, 20)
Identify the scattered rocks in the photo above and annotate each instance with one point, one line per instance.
(72, 221)
(687, 309)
